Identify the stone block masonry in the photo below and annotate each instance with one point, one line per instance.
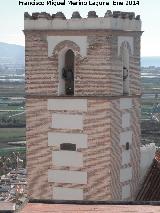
(98, 147)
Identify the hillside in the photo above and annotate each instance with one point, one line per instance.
(11, 59)
(14, 53)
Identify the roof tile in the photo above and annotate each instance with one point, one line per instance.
(70, 208)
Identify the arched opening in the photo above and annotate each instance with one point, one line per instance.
(66, 70)
(125, 69)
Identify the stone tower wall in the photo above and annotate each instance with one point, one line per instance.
(98, 73)
(98, 119)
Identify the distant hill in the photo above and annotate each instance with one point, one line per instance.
(13, 52)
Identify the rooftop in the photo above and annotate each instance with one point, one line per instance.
(6, 206)
(150, 189)
(69, 208)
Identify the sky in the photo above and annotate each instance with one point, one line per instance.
(12, 19)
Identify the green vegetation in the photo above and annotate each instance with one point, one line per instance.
(12, 119)
(8, 151)
(12, 113)
(11, 135)
(10, 159)
(151, 85)
(146, 109)
(18, 106)
(150, 82)
(12, 89)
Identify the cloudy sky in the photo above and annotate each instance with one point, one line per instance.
(11, 20)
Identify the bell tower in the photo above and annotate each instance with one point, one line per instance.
(82, 106)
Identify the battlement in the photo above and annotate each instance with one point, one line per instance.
(115, 20)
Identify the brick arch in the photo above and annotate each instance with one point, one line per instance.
(59, 52)
(66, 45)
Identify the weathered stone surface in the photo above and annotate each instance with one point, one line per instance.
(138, 17)
(27, 15)
(108, 13)
(76, 14)
(92, 14)
(116, 14)
(44, 15)
(59, 15)
(35, 15)
(131, 16)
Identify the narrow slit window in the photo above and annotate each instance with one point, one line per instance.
(68, 73)
(68, 146)
(125, 69)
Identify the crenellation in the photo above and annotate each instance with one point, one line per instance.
(138, 17)
(117, 20)
(92, 14)
(124, 15)
(116, 14)
(27, 16)
(35, 15)
(59, 15)
(108, 14)
(76, 14)
(131, 15)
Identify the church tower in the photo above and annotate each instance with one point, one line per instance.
(83, 105)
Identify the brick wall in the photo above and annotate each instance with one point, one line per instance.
(100, 73)
(102, 160)
(38, 152)
(98, 79)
